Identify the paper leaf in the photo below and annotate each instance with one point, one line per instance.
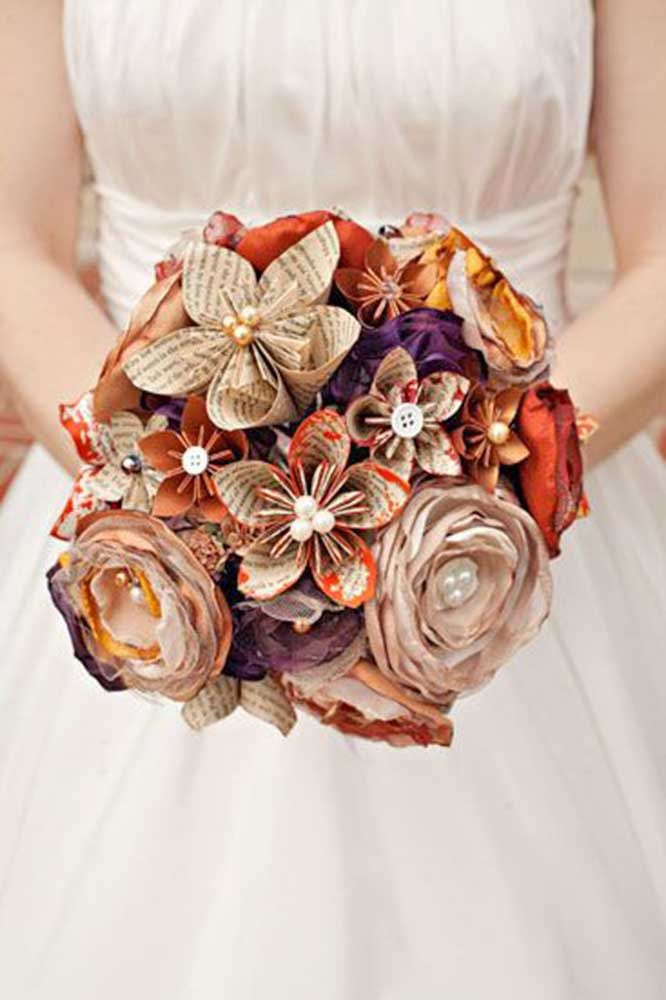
(180, 363)
(385, 494)
(214, 702)
(352, 581)
(266, 700)
(308, 264)
(322, 437)
(238, 484)
(208, 269)
(262, 576)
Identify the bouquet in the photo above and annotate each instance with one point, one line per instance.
(323, 469)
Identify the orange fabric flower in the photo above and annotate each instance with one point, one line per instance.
(485, 438)
(551, 477)
(385, 288)
(263, 244)
(189, 458)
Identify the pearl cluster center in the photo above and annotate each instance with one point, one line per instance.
(310, 518)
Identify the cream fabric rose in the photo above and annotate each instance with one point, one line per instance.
(142, 611)
(462, 582)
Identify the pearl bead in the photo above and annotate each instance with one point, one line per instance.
(131, 463)
(498, 432)
(229, 323)
(301, 529)
(121, 578)
(305, 506)
(250, 315)
(194, 460)
(457, 581)
(323, 521)
(300, 626)
(243, 335)
(136, 594)
(407, 420)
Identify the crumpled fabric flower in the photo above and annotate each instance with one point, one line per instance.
(262, 244)
(501, 322)
(551, 477)
(188, 460)
(293, 632)
(462, 582)
(485, 437)
(401, 419)
(433, 338)
(384, 288)
(311, 515)
(114, 470)
(141, 610)
(262, 348)
(350, 694)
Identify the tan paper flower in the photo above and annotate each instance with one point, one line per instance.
(485, 438)
(189, 459)
(385, 288)
(142, 611)
(312, 514)
(462, 582)
(263, 348)
(401, 419)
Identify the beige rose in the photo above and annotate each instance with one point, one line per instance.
(462, 582)
(142, 612)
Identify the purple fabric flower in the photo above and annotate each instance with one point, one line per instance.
(433, 338)
(75, 628)
(263, 642)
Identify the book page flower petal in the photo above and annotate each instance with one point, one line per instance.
(322, 437)
(180, 363)
(262, 575)
(384, 491)
(333, 333)
(248, 391)
(238, 485)
(435, 453)
(352, 581)
(207, 270)
(443, 394)
(308, 265)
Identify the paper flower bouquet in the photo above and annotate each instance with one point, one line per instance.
(323, 469)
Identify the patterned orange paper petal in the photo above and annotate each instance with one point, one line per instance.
(322, 437)
(396, 370)
(445, 392)
(239, 484)
(435, 453)
(262, 576)
(157, 447)
(357, 413)
(385, 493)
(171, 498)
(81, 501)
(352, 581)
(89, 435)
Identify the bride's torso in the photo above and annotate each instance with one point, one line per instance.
(476, 110)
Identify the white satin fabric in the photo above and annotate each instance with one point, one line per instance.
(140, 860)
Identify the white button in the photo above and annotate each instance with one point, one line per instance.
(195, 460)
(407, 420)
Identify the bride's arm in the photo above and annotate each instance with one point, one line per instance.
(52, 336)
(613, 357)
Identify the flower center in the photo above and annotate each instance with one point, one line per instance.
(310, 518)
(131, 463)
(390, 288)
(498, 432)
(241, 327)
(194, 460)
(457, 581)
(407, 420)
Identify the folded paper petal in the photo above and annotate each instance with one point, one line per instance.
(321, 438)
(308, 264)
(262, 576)
(179, 363)
(385, 494)
(206, 270)
(350, 582)
(239, 484)
(162, 450)
(435, 453)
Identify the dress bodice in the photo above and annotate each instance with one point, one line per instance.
(476, 110)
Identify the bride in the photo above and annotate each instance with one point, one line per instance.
(140, 860)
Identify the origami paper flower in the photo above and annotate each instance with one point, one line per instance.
(352, 695)
(114, 471)
(551, 477)
(310, 515)
(433, 338)
(262, 348)
(485, 438)
(504, 324)
(401, 419)
(385, 288)
(462, 582)
(141, 610)
(189, 459)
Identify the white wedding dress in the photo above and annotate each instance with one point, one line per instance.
(140, 860)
